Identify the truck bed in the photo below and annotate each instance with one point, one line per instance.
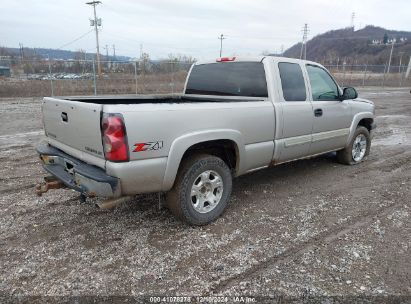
(146, 99)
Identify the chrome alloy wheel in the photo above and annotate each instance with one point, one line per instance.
(207, 191)
(359, 147)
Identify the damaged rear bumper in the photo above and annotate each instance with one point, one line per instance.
(78, 175)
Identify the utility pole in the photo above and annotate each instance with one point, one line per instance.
(50, 76)
(389, 61)
(408, 69)
(221, 38)
(96, 22)
(389, 64)
(399, 66)
(108, 63)
(106, 52)
(21, 51)
(304, 42)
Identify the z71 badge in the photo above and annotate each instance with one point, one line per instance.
(148, 146)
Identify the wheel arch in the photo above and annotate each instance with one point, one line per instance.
(364, 119)
(213, 142)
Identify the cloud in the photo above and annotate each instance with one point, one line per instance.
(188, 26)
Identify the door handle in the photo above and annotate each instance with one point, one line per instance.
(318, 112)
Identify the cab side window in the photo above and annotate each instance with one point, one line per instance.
(323, 86)
(292, 82)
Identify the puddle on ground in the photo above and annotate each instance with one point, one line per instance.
(392, 136)
(20, 139)
(396, 130)
(384, 92)
(394, 116)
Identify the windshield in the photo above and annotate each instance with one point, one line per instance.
(228, 79)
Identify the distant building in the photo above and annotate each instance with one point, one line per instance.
(389, 41)
(4, 71)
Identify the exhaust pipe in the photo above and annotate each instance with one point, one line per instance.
(112, 203)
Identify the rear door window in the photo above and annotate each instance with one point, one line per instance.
(292, 82)
(228, 79)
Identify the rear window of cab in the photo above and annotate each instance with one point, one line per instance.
(228, 79)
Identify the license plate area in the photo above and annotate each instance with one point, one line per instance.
(57, 160)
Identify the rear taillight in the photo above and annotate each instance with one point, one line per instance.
(114, 137)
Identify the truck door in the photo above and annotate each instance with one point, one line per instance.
(296, 113)
(332, 117)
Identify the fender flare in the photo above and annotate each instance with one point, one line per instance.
(356, 119)
(181, 144)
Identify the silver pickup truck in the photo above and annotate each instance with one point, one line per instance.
(236, 115)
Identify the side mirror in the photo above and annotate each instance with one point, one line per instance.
(349, 93)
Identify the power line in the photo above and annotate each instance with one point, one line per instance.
(77, 39)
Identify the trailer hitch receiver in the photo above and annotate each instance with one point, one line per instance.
(50, 182)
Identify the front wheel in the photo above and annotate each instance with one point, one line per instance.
(357, 149)
(201, 190)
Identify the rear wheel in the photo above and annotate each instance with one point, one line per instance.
(201, 190)
(358, 148)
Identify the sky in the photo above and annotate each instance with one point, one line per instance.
(189, 27)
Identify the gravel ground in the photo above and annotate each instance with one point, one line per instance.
(308, 228)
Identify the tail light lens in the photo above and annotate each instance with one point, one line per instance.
(114, 138)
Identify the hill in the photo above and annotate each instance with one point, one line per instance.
(53, 53)
(369, 45)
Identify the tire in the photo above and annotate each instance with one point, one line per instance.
(201, 190)
(347, 155)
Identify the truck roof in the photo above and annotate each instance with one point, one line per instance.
(252, 59)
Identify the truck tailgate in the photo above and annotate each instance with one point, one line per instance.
(73, 123)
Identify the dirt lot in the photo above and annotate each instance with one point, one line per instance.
(313, 227)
